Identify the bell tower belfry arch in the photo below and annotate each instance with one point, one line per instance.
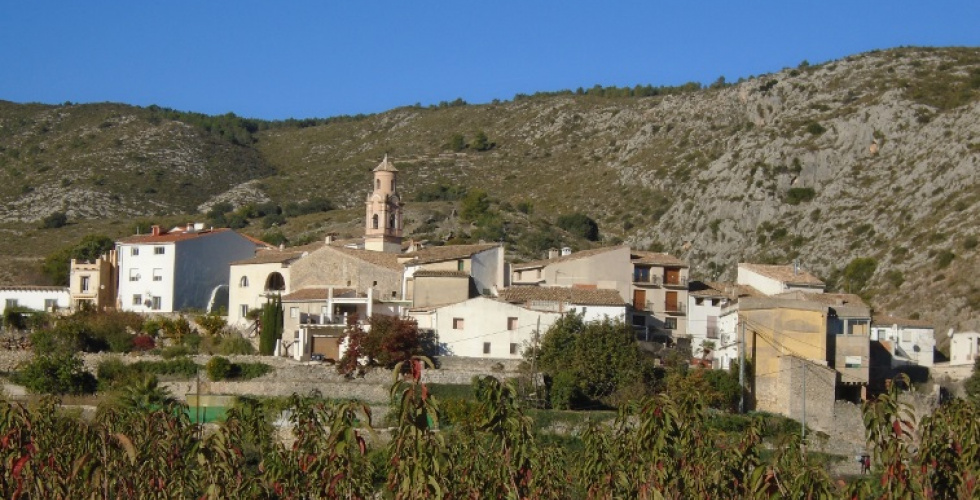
(383, 221)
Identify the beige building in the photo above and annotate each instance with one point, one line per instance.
(436, 276)
(93, 283)
(601, 268)
(659, 295)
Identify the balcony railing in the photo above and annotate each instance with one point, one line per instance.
(678, 282)
(678, 308)
(646, 279)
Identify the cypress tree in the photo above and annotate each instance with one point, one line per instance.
(272, 323)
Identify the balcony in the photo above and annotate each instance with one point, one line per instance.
(676, 282)
(647, 280)
(678, 308)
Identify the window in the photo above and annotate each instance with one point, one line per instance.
(393, 184)
(374, 283)
(377, 185)
(158, 250)
(374, 221)
(243, 310)
(641, 274)
(134, 275)
(486, 348)
(11, 303)
(155, 303)
(460, 265)
(513, 348)
(85, 283)
(137, 300)
(394, 294)
(512, 324)
(639, 320)
(243, 283)
(158, 275)
(715, 302)
(275, 281)
(134, 251)
(670, 323)
(293, 312)
(698, 301)
(457, 323)
(50, 304)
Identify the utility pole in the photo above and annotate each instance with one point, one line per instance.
(803, 427)
(534, 360)
(741, 368)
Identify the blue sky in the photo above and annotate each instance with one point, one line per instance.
(299, 59)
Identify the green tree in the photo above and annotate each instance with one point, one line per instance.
(480, 141)
(972, 384)
(592, 362)
(56, 373)
(475, 204)
(579, 224)
(457, 142)
(272, 322)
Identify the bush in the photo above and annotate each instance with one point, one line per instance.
(143, 343)
(218, 368)
(235, 345)
(815, 128)
(56, 374)
(579, 225)
(54, 221)
(247, 371)
(176, 351)
(795, 196)
(944, 259)
(211, 323)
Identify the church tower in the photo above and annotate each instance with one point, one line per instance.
(383, 225)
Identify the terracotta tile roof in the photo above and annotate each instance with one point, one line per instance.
(171, 237)
(258, 242)
(565, 258)
(885, 320)
(275, 255)
(784, 274)
(34, 288)
(582, 296)
(443, 253)
(656, 259)
(425, 273)
(319, 293)
(382, 259)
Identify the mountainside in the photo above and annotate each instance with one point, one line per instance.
(875, 156)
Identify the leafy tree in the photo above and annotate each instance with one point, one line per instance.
(972, 384)
(592, 362)
(390, 341)
(579, 224)
(91, 247)
(271, 326)
(211, 323)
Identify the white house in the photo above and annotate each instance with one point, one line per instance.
(184, 268)
(484, 327)
(964, 348)
(38, 298)
(773, 280)
(909, 341)
(503, 327)
(705, 302)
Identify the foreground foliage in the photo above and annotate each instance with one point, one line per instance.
(657, 447)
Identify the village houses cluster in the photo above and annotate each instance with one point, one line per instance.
(478, 305)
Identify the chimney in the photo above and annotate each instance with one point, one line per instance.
(566, 251)
(552, 253)
(329, 239)
(155, 230)
(796, 266)
(190, 227)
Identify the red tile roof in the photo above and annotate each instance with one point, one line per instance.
(319, 293)
(175, 236)
(425, 273)
(275, 255)
(656, 259)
